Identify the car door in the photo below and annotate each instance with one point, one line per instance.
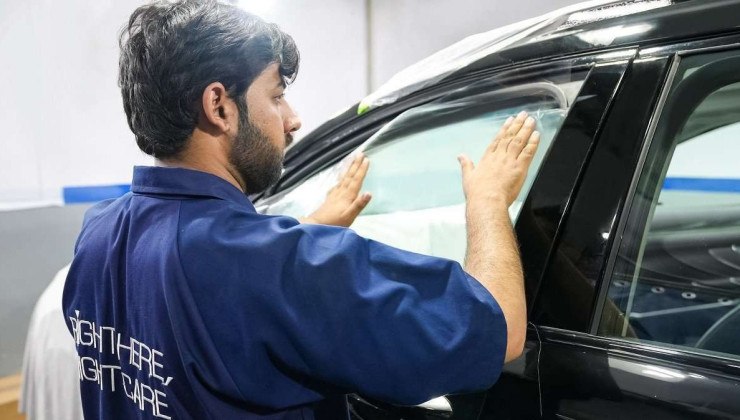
(415, 181)
(638, 307)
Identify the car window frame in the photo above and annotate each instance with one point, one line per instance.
(683, 356)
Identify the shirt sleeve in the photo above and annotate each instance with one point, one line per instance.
(336, 312)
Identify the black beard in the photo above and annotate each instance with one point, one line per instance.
(257, 160)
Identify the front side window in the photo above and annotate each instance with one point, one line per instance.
(414, 176)
(677, 273)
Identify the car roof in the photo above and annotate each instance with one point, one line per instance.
(475, 47)
(677, 20)
(602, 27)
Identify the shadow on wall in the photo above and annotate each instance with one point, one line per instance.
(34, 245)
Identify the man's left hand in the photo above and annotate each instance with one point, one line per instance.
(344, 202)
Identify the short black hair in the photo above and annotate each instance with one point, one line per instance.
(171, 51)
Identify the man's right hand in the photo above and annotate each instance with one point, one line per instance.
(501, 171)
(492, 255)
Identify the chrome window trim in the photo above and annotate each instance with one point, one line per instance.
(619, 346)
(680, 50)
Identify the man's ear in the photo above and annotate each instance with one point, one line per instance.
(218, 110)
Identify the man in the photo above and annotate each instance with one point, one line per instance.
(186, 303)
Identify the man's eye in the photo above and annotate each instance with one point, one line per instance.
(279, 97)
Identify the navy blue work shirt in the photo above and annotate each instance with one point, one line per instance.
(185, 302)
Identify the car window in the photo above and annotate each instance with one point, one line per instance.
(414, 175)
(676, 278)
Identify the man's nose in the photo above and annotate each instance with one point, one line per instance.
(291, 122)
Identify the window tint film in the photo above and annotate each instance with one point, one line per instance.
(677, 275)
(414, 176)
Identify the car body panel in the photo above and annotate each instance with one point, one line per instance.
(587, 377)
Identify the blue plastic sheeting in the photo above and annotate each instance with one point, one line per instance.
(702, 184)
(73, 195)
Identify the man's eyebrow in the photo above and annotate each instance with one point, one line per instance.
(281, 84)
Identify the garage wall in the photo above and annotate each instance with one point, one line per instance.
(60, 105)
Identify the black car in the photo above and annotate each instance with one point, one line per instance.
(629, 221)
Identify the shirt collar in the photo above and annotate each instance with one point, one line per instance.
(188, 182)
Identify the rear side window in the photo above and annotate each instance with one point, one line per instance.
(415, 178)
(676, 279)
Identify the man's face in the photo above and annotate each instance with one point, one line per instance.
(265, 130)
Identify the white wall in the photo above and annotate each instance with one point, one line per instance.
(60, 105)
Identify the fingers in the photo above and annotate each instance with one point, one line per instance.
(359, 204)
(501, 134)
(517, 144)
(505, 126)
(509, 130)
(356, 162)
(530, 149)
(466, 165)
(517, 124)
(354, 182)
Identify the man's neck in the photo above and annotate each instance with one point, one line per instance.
(204, 155)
